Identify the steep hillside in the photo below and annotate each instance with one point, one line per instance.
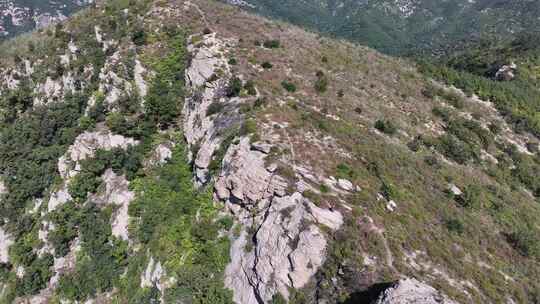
(17, 16)
(189, 152)
(406, 26)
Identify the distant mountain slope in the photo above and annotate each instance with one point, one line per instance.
(17, 16)
(402, 26)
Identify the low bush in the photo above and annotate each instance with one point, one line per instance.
(214, 108)
(386, 127)
(234, 87)
(321, 84)
(288, 86)
(272, 44)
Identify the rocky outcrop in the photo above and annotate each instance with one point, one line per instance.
(409, 290)
(5, 242)
(139, 73)
(506, 72)
(200, 130)
(117, 193)
(86, 145)
(153, 274)
(281, 244)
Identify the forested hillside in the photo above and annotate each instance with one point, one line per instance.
(407, 27)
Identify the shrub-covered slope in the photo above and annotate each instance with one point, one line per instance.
(189, 152)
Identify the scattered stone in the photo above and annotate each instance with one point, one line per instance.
(506, 72)
(345, 184)
(454, 190)
(272, 168)
(391, 206)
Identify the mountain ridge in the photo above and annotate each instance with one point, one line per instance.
(189, 151)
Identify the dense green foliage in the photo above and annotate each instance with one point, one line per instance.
(403, 27)
(176, 221)
(162, 103)
(101, 260)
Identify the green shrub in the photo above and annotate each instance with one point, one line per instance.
(166, 89)
(321, 84)
(226, 222)
(324, 188)
(278, 299)
(455, 225)
(214, 108)
(345, 171)
(250, 88)
(415, 144)
(472, 197)
(266, 65)
(288, 86)
(272, 44)
(454, 99)
(176, 222)
(249, 127)
(430, 91)
(390, 191)
(455, 149)
(234, 88)
(442, 112)
(139, 37)
(526, 241)
(386, 127)
(82, 184)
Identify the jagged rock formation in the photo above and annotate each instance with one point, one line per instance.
(117, 193)
(282, 231)
(201, 130)
(308, 197)
(284, 246)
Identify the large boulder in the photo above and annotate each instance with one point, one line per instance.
(409, 291)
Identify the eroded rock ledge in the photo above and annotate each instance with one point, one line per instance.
(281, 244)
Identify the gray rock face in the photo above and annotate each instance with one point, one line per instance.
(285, 246)
(86, 145)
(117, 193)
(409, 291)
(280, 245)
(5, 242)
(199, 129)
